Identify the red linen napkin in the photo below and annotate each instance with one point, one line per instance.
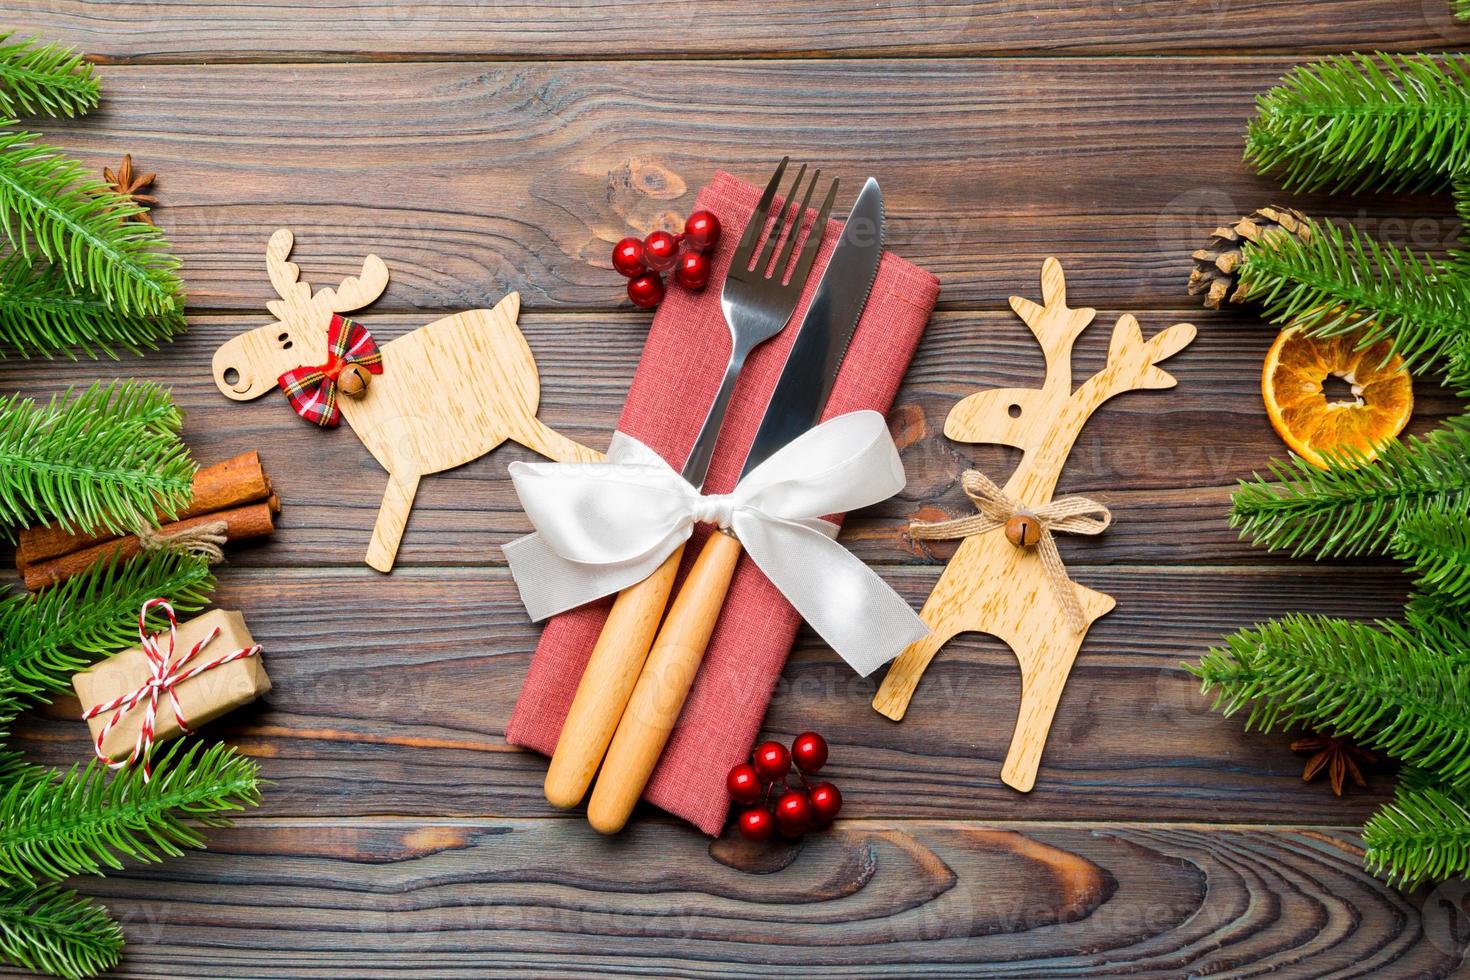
(683, 361)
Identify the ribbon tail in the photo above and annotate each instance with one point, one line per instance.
(844, 600)
(1061, 583)
(550, 584)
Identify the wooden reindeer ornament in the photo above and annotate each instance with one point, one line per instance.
(448, 392)
(999, 582)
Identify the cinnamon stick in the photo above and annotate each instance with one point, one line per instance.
(234, 482)
(250, 521)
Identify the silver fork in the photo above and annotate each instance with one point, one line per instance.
(758, 302)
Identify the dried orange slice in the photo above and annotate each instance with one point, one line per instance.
(1379, 401)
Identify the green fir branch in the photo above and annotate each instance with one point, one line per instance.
(1423, 834)
(1374, 683)
(1350, 509)
(86, 822)
(54, 930)
(1352, 122)
(48, 636)
(1342, 282)
(107, 457)
(52, 205)
(42, 313)
(1462, 9)
(1436, 547)
(44, 79)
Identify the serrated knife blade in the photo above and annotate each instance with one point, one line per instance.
(822, 339)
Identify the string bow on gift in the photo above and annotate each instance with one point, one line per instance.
(1069, 515)
(312, 391)
(163, 679)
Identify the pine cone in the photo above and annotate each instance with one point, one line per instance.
(1216, 266)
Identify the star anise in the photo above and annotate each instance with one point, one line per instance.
(127, 184)
(1338, 756)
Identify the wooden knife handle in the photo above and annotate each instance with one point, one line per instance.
(664, 684)
(606, 683)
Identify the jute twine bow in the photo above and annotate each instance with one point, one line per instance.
(1069, 515)
(205, 539)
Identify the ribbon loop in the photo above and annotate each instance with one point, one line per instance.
(601, 527)
(312, 391)
(163, 678)
(1069, 515)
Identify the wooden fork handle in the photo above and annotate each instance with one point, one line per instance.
(659, 694)
(607, 681)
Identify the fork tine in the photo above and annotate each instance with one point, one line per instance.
(813, 239)
(784, 258)
(757, 222)
(776, 229)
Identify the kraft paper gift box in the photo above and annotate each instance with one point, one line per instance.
(202, 698)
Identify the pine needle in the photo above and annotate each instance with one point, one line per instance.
(1349, 509)
(1341, 282)
(102, 458)
(1352, 122)
(1374, 683)
(54, 206)
(48, 636)
(1462, 9)
(1423, 833)
(55, 930)
(1436, 547)
(41, 313)
(44, 79)
(86, 821)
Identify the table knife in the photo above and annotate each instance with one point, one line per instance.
(796, 405)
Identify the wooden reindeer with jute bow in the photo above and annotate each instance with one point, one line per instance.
(1007, 578)
(429, 400)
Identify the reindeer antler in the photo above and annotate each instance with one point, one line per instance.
(286, 278)
(1132, 360)
(357, 291)
(296, 296)
(1055, 325)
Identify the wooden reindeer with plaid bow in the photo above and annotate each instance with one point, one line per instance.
(1007, 579)
(424, 402)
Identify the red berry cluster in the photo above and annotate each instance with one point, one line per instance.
(796, 809)
(643, 261)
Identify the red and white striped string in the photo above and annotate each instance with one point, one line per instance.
(164, 678)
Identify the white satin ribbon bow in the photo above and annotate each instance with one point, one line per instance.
(601, 527)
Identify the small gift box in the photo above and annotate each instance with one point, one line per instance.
(171, 683)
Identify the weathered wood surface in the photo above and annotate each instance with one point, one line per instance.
(401, 835)
(473, 29)
(471, 180)
(497, 897)
(391, 696)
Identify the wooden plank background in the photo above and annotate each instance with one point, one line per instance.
(483, 147)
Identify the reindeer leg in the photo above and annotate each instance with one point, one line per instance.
(541, 438)
(1044, 672)
(902, 679)
(392, 516)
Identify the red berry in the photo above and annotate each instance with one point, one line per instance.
(628, 257)
(703, 230)
(756, 824)
(646, 290)
(772, 761)
(809, 751)
(744, 784)
(659, 250)
(692, 271)
(826, 801)
(793, 813)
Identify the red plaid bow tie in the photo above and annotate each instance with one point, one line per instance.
(313, 390)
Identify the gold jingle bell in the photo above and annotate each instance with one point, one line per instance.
(1023, 531)
(353, 381)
